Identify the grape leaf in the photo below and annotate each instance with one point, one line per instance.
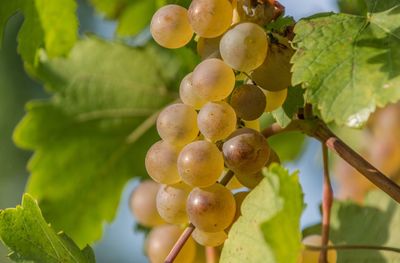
(287, 145)
(24, 230)
(355, 7)
(133, 15)
(255, 236)
(49, 24)
(349, 64)
(92, 135)
(376, 222)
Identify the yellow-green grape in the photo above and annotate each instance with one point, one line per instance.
(239, 198)
(170, 26)
(255, 125)
(312, 256)
(177, 124)
(210, 18)
(161, 240)
(143, 204)
(208, 47)
(171, 203)
(250, 180)
(209, 239)
(213, 80)
(244, 47)
(187, 94)
(161, 161)
(200, 163)
(246, 151)
(233, 184)
(274, 74)
(275, 99)
(211, 209)
(248, 101)
(216, 120)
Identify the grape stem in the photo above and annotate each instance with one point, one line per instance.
(354, 247)
(190, 228)
(211, 255)
(316, 128)
(327, 200)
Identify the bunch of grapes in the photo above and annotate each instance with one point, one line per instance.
(214, 130)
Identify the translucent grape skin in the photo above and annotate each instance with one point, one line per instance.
(143, 204)
(170, 26)
(244, 47)
(275, 72)
(250, 180)
(160, 241)
(211, 209)
(171, 203)
(213, 80)
(200, 163)
(275, 99)
(246, 151)
(213, 239)
(177, 124)
(312, 256)
(239, 197)
(210, 18)
(187, 94)
(161, 161)
(208, 48)
(248, 101)
(216, 120)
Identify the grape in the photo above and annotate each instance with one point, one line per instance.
(210, 18)
(177, 124)
(244, 47)
(273, 158)
(160, 241)
(233, 184)
(275, 99)
(170, 26)
(171, 203)
(216, 120)
(246, 151)
(248, 101)
(213, 80)
(209, 239)
(161, 161)
(255, 125)
(312, 256)
(208, 47)
(211, 209)
(239, 197)
(274, 74)
(250, 180)
(187, 94)
(143, 204)
(200, 163)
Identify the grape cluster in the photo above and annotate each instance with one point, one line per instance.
(215, 126)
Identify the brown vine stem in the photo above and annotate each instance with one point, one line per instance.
(317, 129)
(354, 247)
(327, 200)
(212, 255)
(190, 228)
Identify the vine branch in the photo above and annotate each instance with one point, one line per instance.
(354, 247)
(316, 128)
(327, 200)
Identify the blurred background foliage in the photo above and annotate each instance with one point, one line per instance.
(120, 243)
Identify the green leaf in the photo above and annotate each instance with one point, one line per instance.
(255, 237)
(376, 222)
(92, 136)
(281, 24)
(349, 64)
(135, 18)
(24, 230)
(287, 145)
(294, 101)
(49, 24)
(354, 7)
